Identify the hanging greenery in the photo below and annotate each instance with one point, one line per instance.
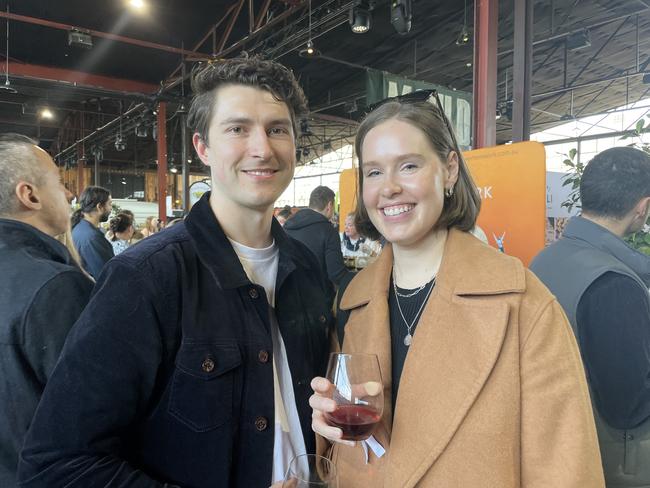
(639, 240)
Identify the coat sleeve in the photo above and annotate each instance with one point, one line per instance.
(336, 269)
(51, 315)
(559, 445)
(98, 391)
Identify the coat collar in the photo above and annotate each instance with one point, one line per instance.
(17, 234)
(456, 345)
(468, 267)
(216, 252)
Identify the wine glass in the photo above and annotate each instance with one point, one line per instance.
(310, 471)
(358, 393)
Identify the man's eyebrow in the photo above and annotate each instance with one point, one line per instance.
(248, 120)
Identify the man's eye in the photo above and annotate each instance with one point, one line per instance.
(279, 130)
(235, 130)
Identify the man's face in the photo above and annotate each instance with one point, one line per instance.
(250, 150)
(105, 210)
(54, 214)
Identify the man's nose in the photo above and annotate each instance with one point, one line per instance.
(259, 144)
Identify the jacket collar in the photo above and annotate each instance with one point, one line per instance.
(216, 252)
(16, 234)
(468, 267)
(594, 235)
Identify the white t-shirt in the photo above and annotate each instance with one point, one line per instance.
(261, 266)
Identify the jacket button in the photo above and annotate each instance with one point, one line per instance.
(322, 319)
(263, 356)
(261, 423)
(208, 365)
(253, 293)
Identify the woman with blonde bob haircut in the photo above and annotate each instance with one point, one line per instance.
(482, 379)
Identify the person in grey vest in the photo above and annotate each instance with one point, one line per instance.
(602, 284)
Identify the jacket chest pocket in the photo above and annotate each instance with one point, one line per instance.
(202, 385)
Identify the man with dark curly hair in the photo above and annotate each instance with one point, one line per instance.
(191, 365)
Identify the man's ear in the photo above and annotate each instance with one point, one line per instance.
(201, 148)
(27, 195)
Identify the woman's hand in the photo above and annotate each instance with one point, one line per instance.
(321, 402)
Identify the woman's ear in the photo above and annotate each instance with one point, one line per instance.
(452, 169)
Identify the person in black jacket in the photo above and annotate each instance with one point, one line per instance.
(42, 290)
(191, 364)
(312, 227)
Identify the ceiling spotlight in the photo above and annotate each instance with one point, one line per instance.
(360, 17)
(98, 152)
(498, 114)
(123, 180)
(309, 51)
(400, 15)
(120, 143)
(469, 65)
(173, 169)
(306, 151)
(46, 114)
(137, 4)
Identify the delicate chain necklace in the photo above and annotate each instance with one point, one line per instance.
(408, 338)
(412, 294)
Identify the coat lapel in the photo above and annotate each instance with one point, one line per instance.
(454, 349)
(371, 332)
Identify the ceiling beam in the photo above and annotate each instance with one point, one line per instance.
(75, 78)
(95, 33)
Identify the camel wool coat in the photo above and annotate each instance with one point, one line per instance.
(493, 392)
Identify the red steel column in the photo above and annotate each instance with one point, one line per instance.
(162, 161)
(486, 26)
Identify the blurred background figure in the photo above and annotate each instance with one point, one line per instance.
(354, 245)
(95, 206)
(312, 227)
(284, 215)
(121, 227)
(150, 226)
(42, 289)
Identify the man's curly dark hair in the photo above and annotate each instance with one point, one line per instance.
(254, 71)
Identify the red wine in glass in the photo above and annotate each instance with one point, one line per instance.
(358, 392)
(356, 421)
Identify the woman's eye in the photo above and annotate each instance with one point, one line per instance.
(409, 166)
(372, 172)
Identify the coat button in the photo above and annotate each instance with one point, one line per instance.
(322, 319)
(253, 293)
(208, 365)
(263, 356)
(261, 423)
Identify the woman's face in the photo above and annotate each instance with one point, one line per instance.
(350, 228)
(404, 182)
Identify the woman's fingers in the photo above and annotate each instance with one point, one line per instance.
(320, 426)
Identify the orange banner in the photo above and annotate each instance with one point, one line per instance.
(512, 183)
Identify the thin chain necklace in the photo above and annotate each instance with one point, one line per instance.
(408, 338)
